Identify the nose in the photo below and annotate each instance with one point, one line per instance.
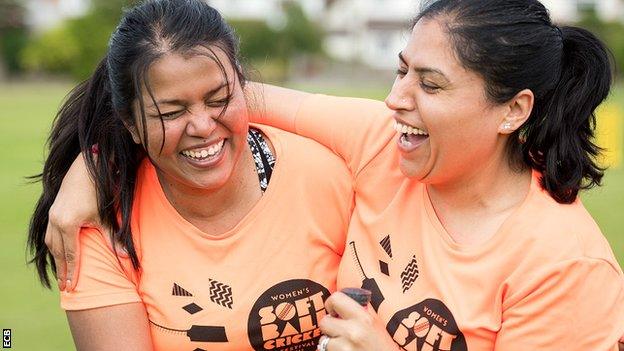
(202, 122)
(399, 97)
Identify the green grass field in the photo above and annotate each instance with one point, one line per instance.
(32, 312)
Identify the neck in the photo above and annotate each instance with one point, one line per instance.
(217, 210)
(473, 207)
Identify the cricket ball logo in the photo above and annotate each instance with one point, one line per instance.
(287, 315)
(426, 326)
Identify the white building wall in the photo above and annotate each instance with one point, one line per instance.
(565, 11)
(45, 14)
(371, 32)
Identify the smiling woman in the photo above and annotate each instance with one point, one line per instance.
(467, 227)
(192, 255)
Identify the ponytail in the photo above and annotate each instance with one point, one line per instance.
(559, 136)
(514, 45)
(86, 118)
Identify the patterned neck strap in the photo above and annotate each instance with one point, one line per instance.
(263, 157)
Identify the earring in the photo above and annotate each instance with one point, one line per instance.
(507, 125)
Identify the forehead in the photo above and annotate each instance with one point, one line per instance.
(201, 68)
(429, 46)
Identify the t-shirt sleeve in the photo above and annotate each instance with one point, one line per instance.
(578, 305)
(104, 279)
(355, 129)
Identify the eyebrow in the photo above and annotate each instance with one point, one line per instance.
(422, 69)
(180, 102)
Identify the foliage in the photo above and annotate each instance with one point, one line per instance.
(257, 40)
(273, 48)
(610, 32)
(78, 44)
(53, 52)
(300, 35)
(13, 36)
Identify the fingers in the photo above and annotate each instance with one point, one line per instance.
(54, 242)
(335, 327)
(348, 324)
(346, 335)
(71, 249)
(339, 304)
(338, 344)
(61, 238)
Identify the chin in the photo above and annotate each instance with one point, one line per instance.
(409, 169)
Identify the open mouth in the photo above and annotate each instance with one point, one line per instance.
(411, 137)
(206, 153)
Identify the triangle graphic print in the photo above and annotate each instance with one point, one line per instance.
(385, 244)
(179, 291)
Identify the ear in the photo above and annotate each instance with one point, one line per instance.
(518, 111)
(134, 132)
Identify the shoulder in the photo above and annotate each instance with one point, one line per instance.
(546, 237)
(299, 153)
(569, 228)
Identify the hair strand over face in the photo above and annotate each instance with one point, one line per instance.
(99, 111)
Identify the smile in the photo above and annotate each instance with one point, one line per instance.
(406, 129)
(411, 137)
(204, 153)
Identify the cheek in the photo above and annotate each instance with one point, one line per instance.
(236, 118)
(171, 136)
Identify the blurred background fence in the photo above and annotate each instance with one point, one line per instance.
(343, 47)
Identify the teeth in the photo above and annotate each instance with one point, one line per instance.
(211, 151)
(405, 129)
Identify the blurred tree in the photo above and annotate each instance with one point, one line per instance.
(274, 47)
(54, 51)
(257, 40)
(79, 43)
(300, 35)
(13, 35)
(612, 33)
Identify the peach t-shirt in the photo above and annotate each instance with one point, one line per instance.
(547, 280)
(260, 286)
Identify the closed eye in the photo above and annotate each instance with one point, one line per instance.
(172, 115)
(217, 103)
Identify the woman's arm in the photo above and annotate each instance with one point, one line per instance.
(273, 105)
(75, 206)
(119, 327)
(355, 129)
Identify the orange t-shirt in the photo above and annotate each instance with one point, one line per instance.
(547, 280)
(260, 286)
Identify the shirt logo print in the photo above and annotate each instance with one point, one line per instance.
(385, 244)
(409, 275)
(221, 294)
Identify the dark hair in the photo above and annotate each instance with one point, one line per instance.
(97, 111)
(514, 45)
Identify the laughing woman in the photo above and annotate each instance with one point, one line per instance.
(467, 227)
(222, 238)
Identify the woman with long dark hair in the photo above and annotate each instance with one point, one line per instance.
(221, 237)
(467, 227)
